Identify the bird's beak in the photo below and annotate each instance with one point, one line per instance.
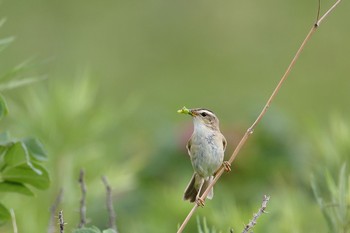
(185, 110)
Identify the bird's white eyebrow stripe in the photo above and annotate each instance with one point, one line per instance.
(203, 109)
(207, 111)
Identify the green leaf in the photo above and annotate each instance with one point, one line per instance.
(21, 82)
(5, 138)
(15, 188)
(332, 187)
(4, 42)
(3, 107)
(87, 230)
(15, 71)
(342, 199)
(15, 155)
(36, 149)
(7, 40)
(18, 154)
(316, 192)
(320, 201)
(4, 214)
(109, 231)
(25, 174)
(199, 226)
(205, 228)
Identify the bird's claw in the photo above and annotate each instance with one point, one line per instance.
(227, 166)
(200, 202)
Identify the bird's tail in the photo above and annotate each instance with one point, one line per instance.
(198, 184)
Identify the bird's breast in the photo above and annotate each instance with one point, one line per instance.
(207, 153)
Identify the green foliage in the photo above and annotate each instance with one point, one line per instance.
(203, 227)
(36, 149)
(4, 42)
(335, 201)
(15, 187)
(333, 195)
(15, 77)
(3, 107)
(4, 214)
(93, 230)
(205, 58)
(109, 231)
(20, 168)
(37, 177)
(87, 230)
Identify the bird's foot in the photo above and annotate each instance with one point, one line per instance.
(200, 202)
(227, 166)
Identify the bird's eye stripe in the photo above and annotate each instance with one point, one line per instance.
(205, 113)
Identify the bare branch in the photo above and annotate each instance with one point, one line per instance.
(182, 227)
(252, 222)
(327, 13)
(61, 221)
(109, 204)
(262, 113)
(82, 200)
(53, 210)
(318, 10)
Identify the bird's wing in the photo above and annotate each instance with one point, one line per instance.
(224, 143)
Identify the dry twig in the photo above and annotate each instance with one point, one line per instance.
(53, 210)
(262, 113)
(61, 221)
(109, 203)
(261, 211)
(82, 200)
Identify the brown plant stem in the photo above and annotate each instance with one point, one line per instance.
(82, 200)
(109, 204)
(61, 221)
(53, 210)
(262, 113)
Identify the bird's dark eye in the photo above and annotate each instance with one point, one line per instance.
(203, 114)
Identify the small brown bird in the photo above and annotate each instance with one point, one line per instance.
(206, 149)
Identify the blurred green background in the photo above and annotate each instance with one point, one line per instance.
(117, 71)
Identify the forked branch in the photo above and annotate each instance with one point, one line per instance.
(262, 113)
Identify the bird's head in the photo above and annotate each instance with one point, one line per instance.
(202, 117)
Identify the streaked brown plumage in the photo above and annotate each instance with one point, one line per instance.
(206, 149)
